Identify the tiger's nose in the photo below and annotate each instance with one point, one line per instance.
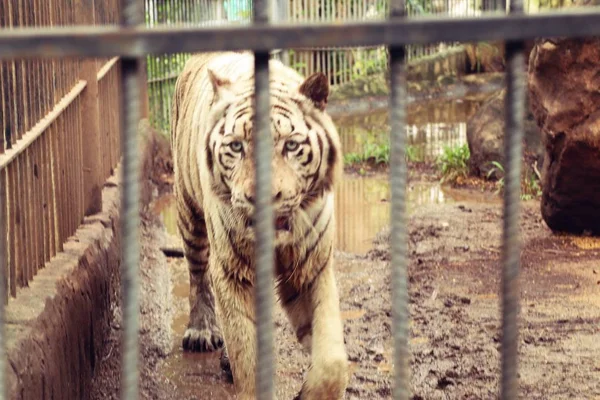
(277, 196)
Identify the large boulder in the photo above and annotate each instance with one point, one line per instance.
(485, 136)
(564, 92)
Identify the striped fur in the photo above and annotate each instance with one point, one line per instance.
(214, 186)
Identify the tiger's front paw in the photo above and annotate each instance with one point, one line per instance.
(326, 380)
(203, 333)
(203, 340)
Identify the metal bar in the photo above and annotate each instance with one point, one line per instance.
(511, 248)
(130, 105)
(398, 238)
(137, 41)
(3, 275)
(263, 219)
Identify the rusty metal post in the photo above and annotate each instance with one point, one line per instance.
(90, 124)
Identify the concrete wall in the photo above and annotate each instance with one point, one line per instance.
(55, 328)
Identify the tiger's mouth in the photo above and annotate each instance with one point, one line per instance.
(282, 223)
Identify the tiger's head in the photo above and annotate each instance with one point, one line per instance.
(306, 157)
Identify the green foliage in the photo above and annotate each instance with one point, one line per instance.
(497, 167)
(372, 152)
(412, 154)
(453, 163)
(378, 153)
(530, 184)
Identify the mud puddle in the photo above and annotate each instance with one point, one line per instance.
(194, 375)
(362, 208)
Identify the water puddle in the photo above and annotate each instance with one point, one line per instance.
(430, 127)
(195, 375)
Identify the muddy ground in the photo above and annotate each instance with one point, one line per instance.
(454, 284)
(454, 281)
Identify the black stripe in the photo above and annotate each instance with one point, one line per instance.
(240, 112)
(222, 176)
(303, 331)
(309, 159)
(332, 156)
(233, 244)
(315, 222)
(315, 244)
(195, 261)
(195, 231)
(320, 141)
(193, 246)
(282, 110)
(226, 167)
(209, 159)
(228, 154)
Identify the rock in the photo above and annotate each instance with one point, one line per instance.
(564, 82)
(485, 136)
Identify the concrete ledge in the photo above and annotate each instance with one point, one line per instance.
(55, 328)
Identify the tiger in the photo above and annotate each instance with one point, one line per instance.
(214, 188)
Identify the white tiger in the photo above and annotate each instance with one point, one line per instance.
(212, 144)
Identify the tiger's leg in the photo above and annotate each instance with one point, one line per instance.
(203, 333)
(315, 315)
(237, 315)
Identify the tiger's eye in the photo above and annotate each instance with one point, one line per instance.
(291, 145)
(236, 146)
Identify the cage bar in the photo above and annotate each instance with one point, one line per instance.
(3, 282)
(511, 249)
(263, 219)
(130, 220)
(137, 41)
(398, 236)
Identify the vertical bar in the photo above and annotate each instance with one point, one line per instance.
(398, 240)
(12, 238)
(511, 249)
(89, 107)
(130, 107)
(3, 267)
(264, 220)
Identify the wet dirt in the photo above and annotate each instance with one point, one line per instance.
(454, 281)
(454, 285)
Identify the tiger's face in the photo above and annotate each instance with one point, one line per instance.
(305, 154)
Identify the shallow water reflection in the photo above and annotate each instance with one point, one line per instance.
(362, 209)
(430, 127)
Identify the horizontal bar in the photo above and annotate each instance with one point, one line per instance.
(106, 68)
(31, 136)
(109, 41)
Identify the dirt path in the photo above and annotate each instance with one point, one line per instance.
(454, 281)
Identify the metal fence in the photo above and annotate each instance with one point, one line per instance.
(131, 41)
(60, 137)
(342, 64)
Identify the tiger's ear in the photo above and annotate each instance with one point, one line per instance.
(221, 85)
(316, 88)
